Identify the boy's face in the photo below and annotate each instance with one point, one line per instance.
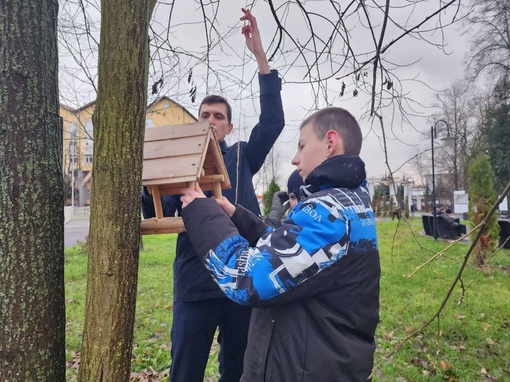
(311, 152)
(293, 200)
(216, 114)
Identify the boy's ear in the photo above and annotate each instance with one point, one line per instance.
(335, 143)
(230, 127)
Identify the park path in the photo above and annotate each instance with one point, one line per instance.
(75, 231)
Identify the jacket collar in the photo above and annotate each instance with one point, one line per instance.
(223, 147)
(341, 171)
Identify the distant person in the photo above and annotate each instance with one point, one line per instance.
(313, 281)
(395, 213)
(450, 220)
(283, 200)
(294, 185)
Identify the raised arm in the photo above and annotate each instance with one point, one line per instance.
(271, 120)
(253, 42)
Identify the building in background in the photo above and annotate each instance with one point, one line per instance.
(78, 139)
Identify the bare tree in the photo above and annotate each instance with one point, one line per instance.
(490, 26)
(334, 52)
(421, 164)
(457, 105)
(32, 313)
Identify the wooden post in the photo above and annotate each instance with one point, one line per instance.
(156, 198)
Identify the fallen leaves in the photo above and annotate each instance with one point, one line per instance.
(145, 375)
(149, 375)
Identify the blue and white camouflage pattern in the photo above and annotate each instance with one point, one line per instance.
(318, 232)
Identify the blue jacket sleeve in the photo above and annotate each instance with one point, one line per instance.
(271, 121)
(314, 239)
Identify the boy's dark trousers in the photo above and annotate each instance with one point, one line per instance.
(191, 346)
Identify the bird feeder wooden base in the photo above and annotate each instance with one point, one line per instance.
(164, 225)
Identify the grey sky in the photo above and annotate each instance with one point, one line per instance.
(424, 68)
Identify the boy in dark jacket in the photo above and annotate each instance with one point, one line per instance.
(313, 281)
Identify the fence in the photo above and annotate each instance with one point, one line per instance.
(76, 213)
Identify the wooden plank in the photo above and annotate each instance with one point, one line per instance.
(205, 179)
(176, 131)
(208, 184)
(188, 165)
(165, 225)
(173, 147)
(173, 189)
(208, 139)
(215, 151)
(169, 181)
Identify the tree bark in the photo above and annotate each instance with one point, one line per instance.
(114, 239)
(32, 311)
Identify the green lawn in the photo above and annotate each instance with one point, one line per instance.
(470, 341)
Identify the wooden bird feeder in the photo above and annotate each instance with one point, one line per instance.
(177, 156)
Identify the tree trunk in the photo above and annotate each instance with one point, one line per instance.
(32, 312)
(114, 239)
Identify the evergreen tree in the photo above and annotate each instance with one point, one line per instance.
(267, 196)
(497, 132)
(481, 198)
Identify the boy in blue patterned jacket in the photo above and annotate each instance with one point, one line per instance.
(314, 281)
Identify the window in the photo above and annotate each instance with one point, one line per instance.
(89, 143)
(88, 158)
(72, 130)
(89, 146)
(73, 158)
(89, 128)
(72, 151)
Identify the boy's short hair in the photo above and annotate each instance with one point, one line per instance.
(341, 121)
(217, 99)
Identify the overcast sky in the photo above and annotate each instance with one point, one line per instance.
(429, 66)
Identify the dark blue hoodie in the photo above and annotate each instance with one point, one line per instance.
(242, 160)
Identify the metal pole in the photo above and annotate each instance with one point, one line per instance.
(72, 156)
(434, 215)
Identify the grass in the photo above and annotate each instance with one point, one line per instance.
(469, 342)
(151, 345)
